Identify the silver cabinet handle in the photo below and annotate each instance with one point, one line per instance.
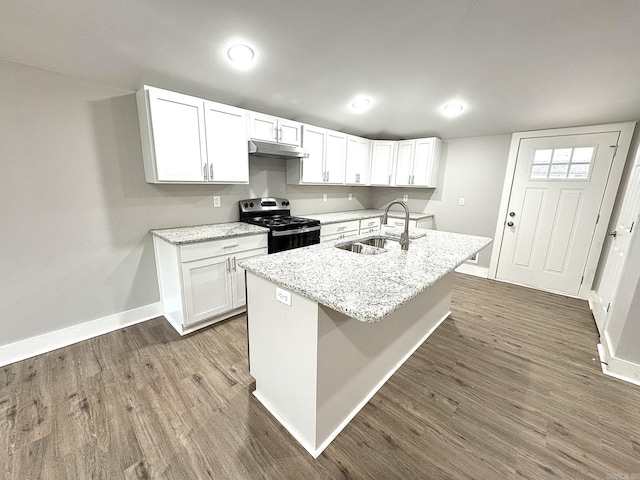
(341, 228)
(230, 246)
(389, 179)
(228, 264)
(234, 264)
(204, 172)
(613, 234)
(327, 175)
(211, 168)
(275, 134)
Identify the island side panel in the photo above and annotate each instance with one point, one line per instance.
(356, 358)
(283, 357)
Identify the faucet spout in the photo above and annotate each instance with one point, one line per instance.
(404, 237)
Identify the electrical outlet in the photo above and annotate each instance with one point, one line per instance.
(216, 201)
(324, 197)
(351, 196)
(405, 198)
(461, 202)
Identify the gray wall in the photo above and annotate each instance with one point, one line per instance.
(472, 168)
(76, 210)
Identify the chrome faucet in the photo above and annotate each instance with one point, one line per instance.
(404, 237)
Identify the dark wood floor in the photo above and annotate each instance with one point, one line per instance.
(508, 387)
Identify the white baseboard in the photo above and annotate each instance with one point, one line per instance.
(475, 270)
(31, 347)
(615, 367)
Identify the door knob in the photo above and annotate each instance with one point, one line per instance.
(512, 214)
(613, 234)
(509, 224)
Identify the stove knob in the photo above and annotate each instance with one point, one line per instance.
(246, 205)
(251, 204)
(287, 203)
(284, 203)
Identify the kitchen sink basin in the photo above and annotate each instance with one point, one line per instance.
(371, 246)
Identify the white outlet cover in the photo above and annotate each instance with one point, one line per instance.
(405, 198)
(216, 201)
(324, 197)
(351, 196)
(461, 202)
(283, 296)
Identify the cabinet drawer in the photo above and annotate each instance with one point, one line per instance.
(197, 251)
(339, 228)
(397, 222)
(370, 222)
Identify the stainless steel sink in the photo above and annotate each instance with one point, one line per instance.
(371, 246)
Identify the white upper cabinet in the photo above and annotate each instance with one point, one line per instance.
(227, 138)
(274, 129)
(417, 162)
(314, 141)
(335, 157)
(190, 140)
(357, 160)
(382, 153)
(326, 162)
(173, 136)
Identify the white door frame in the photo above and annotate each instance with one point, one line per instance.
(624, 140)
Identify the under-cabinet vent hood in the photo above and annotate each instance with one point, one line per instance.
(275, 150)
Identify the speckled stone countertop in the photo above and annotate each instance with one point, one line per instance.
(326, 218)
(366, 287)
(202, 233)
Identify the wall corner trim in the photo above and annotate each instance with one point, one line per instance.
(31, 347)
(475, 270)
(616, 367)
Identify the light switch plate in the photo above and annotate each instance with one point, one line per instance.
(324, 197)
(216, 201)
(461, 202)
(405, 198)
(283, 296)
(351, 196)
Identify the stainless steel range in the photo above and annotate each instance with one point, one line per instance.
(285, 232)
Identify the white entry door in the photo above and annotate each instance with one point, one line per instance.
(555, 200)
(625, 226)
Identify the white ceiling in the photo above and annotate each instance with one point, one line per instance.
(518, 64)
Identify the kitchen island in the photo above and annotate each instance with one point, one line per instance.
(327, 327)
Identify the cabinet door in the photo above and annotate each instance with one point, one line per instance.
(263, 127)
(423, 163)
(178, 136)
(239, 293)
(335, 157)
(357, 160)
(404, 162)
(289, 132)
(381, 162)
(314, 142)
(227, 150)
(207, 288)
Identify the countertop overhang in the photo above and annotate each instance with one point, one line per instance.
(366, 287)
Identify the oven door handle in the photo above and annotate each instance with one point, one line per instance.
(282, 233)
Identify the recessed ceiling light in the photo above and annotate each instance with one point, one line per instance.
(361, 103)
(453, 109)
(240, 54)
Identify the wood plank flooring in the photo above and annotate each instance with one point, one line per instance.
(508, 387)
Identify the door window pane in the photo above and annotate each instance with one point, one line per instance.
(579, 171)
(558, 171)
(540, 171)
(582, 155)
(562, 155)
(542, 156)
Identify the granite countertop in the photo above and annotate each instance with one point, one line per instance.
(337, 217)
(366, 287)
(202, 233)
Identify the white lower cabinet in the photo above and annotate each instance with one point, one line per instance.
(339, 231)
(421, 223)
(201, 283)
(370, 225)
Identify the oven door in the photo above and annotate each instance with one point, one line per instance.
(281, 240)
